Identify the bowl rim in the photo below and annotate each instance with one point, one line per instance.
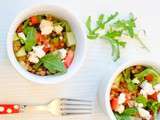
(35, 78)
(122, 67)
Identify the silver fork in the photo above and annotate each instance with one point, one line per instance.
(57, 107)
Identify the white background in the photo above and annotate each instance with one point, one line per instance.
(16, 89)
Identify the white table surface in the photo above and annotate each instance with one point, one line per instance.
(15, 89)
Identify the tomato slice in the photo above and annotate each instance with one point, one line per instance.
(153, 96)
(149, 77)
(114, 103)
(34, 20)
(69, 58)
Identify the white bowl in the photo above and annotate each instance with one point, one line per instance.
(59, 12)
(106, 84)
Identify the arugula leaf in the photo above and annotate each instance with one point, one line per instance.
(127, 114)
(53, 63)
(100, 21)
(114, 31)
(130, 111)
(30, 41)
(141, 99)
(131, 86)
(154, 106)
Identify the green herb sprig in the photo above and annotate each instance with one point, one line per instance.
(114, 29)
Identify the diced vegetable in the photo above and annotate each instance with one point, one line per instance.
(114, 103)
(34, 20)
(21, 52)
(15, 37)
(70, 39)
(69, 58)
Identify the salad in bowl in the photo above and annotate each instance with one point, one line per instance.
(46, 43)
(135, 93)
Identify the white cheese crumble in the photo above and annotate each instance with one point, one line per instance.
(36, 54)
(33, 58)
(58, 29)
(120, 109)
(136, 81)
(63, 53)
(38, 50)
(142, 92)
(144, 113)
(46, 27)
(147, 87)
(121, 98)
(140, 105)
(157, 87)
(22, 35)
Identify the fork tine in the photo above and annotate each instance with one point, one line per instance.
(78, 104)
(84, 109)
(75, 100)
(78, 113)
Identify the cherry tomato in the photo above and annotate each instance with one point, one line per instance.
(69, 58)
(149, 77)
(34, 20)
(153, 96)
(114, 103)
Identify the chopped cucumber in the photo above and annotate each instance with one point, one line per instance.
(15, 37)
(21, 52)
(70, 39)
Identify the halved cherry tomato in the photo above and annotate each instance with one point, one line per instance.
(149, 77)
(34, 20)
(153, 96)
(40, 38)
(114, 103)
(69, 58)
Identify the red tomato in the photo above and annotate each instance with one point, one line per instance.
(114, 103)
(149, 77)
(40, 38)
(34, 20)
(153, 96)
(69, 58)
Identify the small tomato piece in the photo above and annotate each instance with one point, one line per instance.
(153, 96)
(34, 20)
(149, 77)
(69, 58)
(114, 103)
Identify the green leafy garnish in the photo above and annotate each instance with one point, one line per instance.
(53, 63)
(30, 41)
(130, 85)
(114, 30)
(141, 99)
(154, 106)
(127, 114)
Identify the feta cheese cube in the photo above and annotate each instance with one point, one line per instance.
(121, 98)
(142, 92)
(147, 87)
(22, 35)
(144, 113)
(120, 109)
(46, 27)
(58, 29)
(63, 53)
(136, 81)
(38, 50)
(138, 105)
(157, 87)
(33, 58)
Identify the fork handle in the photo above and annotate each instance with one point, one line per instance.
(9, 108)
